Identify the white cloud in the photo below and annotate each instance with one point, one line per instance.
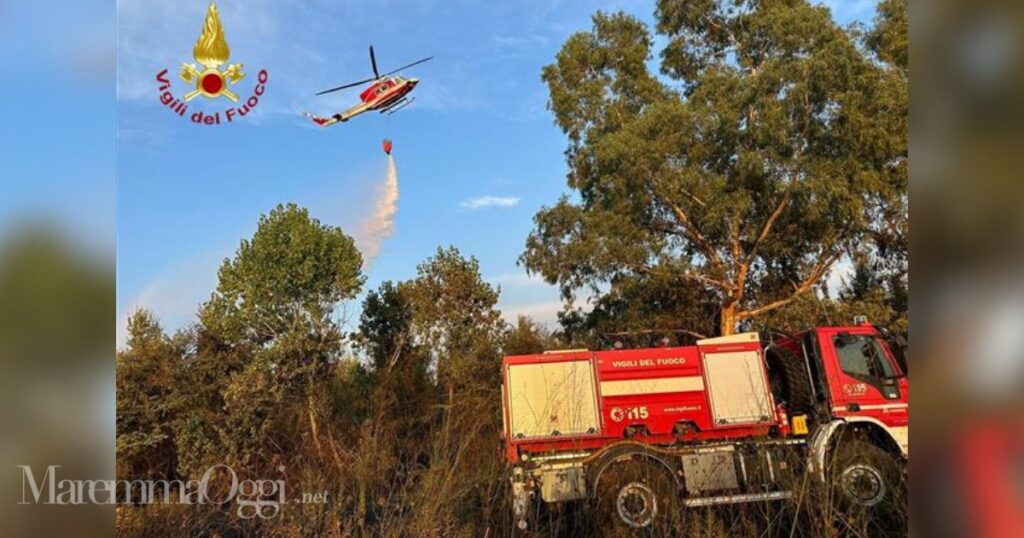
(482, 202)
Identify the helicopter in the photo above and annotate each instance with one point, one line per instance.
(387, 94)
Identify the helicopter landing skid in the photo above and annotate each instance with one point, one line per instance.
(398, 105)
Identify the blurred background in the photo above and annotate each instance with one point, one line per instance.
(57, 200)
(967, 185)
(57, 203)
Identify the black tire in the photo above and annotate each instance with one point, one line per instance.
(868, 489)
(789, 380)
(636, 497)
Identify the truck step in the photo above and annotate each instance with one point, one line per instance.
(741, 498)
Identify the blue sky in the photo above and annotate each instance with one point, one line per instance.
(59, 125)
(477, 153)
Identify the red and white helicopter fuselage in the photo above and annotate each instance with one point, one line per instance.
(387, 94)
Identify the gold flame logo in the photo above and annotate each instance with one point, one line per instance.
(211, 50)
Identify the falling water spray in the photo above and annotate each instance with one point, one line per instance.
(380, 224)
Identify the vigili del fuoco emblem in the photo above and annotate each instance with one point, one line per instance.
(208, 79)
(211, 51)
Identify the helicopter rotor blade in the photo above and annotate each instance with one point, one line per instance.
(376, 74)
(373, 62)
(346, 86)
(408, 66)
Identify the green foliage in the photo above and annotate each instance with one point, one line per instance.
(55, 302)
(147, 405)
(266, 343)
(527, 337)
(641, 310)
(878, 293)
(385, 325)
(889, 39)
(868, 293)
(398, 378)
(350, 392)
(432, 350)
(766, 157)
(294, 271)
(455, 320)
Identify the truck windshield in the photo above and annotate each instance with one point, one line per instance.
(861, 356)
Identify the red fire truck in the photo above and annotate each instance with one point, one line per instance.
(645, 433)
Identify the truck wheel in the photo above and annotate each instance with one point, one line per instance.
(789, 382)
(636, 497)
(868, 486)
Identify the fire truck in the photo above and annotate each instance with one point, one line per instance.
(644, 434)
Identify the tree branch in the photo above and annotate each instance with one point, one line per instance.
(741, 267)
(734, 233)
(732, 37)
(702, 242)
(724, 286)
(799, 290)
(767, 228)
(693, 197)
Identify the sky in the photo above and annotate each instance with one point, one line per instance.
(59, 125)
(477, 153)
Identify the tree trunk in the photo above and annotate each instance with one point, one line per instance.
(448, 415)
(727, 320)
(361, 507)
(314, 429)
(334, 449)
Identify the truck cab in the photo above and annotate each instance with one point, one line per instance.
(855, 378)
